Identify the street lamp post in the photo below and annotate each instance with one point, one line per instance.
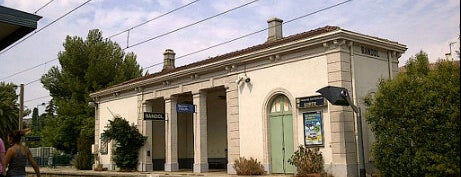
(21, 105)
(340, 96)
(38, 117)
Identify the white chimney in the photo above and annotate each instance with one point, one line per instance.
(168, 59)
(275, 29)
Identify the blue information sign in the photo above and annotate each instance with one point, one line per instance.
(189, 108)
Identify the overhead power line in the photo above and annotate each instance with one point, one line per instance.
(138, 25)
(37, 98)
(152, 19)
(253, 33)
(43, 6)
(229, 41)
(36, 31)
(192, 24)
(28, 69)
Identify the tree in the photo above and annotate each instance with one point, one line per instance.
(9, 109)
(86, 66)
(128, 141)
(416, 119)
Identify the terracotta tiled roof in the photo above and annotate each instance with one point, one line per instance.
(287, 39)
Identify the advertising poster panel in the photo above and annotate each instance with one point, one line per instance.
(313, 128)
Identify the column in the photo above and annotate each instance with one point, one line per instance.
(233, 131)
(200, 133)
(342, 124)
(171, 135)
(146, 150)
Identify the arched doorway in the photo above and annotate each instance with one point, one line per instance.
(281, 134)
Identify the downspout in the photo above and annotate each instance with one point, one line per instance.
(352, 65)
(389, 64)
(354, 99)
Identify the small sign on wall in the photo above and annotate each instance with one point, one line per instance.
(313, 128)
(311, 102)
(187, 108)
(154, 116)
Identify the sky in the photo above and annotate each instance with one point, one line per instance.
(189, 26)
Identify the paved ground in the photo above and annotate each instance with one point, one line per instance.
(69, 171)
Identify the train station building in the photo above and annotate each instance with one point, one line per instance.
(259, 102)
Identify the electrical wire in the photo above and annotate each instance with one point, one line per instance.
(127, 30)
(36, 31)
(43, 6)
(249, 34)
(28, 69)
(36, 80)
(192, 24)
(152, 19)
(229, 41)
(36, 98)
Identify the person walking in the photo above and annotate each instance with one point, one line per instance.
(17, 156)
(2, 159)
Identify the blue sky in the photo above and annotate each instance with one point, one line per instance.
(428, 25)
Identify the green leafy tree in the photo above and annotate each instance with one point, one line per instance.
(9, 109)
(415, 118)
(128, 141)
(86, 66)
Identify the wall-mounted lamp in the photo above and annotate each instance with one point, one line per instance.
(245, 79)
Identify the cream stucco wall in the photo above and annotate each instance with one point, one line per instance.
(295, 69)
(123, 107)
(299, 79)
(368, 71)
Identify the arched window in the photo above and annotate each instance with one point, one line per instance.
(280, 104)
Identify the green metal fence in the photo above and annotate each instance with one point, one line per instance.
(49, 156)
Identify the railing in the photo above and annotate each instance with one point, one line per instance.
(49, 156)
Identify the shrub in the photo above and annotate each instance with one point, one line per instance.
(84, 157)
(128, 142)
(307, 161)
(250, 166)
(415, 119)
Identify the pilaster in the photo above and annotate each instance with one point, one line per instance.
(171, 135)
(200, 133)
(233, 132)
(145, 160)
(344, 146)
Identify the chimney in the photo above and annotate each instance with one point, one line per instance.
(275, 29)
(168, 59)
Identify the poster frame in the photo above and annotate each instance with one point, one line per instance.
(309, 118)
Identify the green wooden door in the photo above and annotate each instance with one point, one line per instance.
(281, 133)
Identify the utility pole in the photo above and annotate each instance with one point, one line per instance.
(21, 104)
(451, 44)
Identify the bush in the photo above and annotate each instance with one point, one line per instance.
(250, 166)
(128, 142)
(84, 159)
(415, 118)
(307, 161)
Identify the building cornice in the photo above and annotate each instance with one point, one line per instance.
(250, 55)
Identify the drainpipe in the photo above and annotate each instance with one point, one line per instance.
(389, 64)
(358, 112)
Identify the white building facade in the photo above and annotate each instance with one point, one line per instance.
(259, 102)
